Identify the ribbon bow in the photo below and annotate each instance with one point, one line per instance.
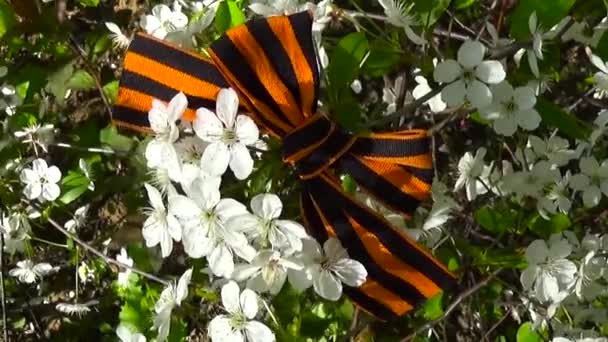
(272, 65)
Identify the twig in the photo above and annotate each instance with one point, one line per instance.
(85, 149)
(405, 109)
(3, 298)
(79, 51)
(486, 336)
(105, 257)
(453, 306)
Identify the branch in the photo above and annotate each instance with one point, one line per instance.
(106, 258)
(453, 306)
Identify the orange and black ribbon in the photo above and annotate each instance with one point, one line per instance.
(272, 65)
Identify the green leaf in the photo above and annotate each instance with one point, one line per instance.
(553, 115)
(111, 90)
(463, 4)
(228, 15)
(117, 141)
(73, 194)
(58, 81)
(433, 308)
(89, 3)
(383, 58)
(346, 59)
(81, 80)
(7, 18)
(556, 224)
(549, 13)
(347, 111)
(495, 221)
(429, 11)
(525, 333)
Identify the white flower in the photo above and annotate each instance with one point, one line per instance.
(265, 227)
(548, 270)
(160, 151)
(163, 20)
(511, 108)
(531, 183)
(555, 149)
(443, 206)
(238, 325)
(398, 13)
(41, 181)
(536, 52)
(78, 221)
(390, 94)
(326, 269)
(601, 127)
(204, 215)
(123, 276)
(589, 271)
(471, 173)
(190, 149)
(73, 309)
(172, 296)
(423, 88)
(119, 40)
(28, 273)
(274, 7)
(15, 228)
(86, 273)
(127, 335)
(10, 99)
(38, 135)
(592, 181)
(468, 76)
(228, 134)
(161, 227)
(267, 272)
(557, 198)
(600, 78)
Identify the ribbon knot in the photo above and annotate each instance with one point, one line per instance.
(272, 65)
(315, 146)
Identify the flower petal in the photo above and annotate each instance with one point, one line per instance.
(258, 332)
(327, 286)
(50, 191)
(227, 106)
(528, 119)
(471, 53)
(525, 98)
(350, 272)
(267, 206)
(491, 72)
(454, 94)
(177, 106)
(447, 71)
(249, 303)
(479, 94)
(241, 163)
(215, 159)
(230, 297)
(53, 174)
(207, 126)
(246, 130)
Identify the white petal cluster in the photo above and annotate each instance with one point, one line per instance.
(238, 323)
(398, 13)
(549, 273)
(472, 172)
(41, 181)
(468, 77)
(172, 296)
(28, 272)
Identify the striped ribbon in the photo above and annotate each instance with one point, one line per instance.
(271, 63)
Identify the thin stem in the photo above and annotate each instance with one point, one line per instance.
(2, 295)
(105, 257)
(405, 109)
(86, 149)
(453, 306)
(76, 275)
(51, 243)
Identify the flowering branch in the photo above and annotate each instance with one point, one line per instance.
(105, 257)
(466, 294)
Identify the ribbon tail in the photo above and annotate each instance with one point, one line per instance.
(155, 69)
(401, 275)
